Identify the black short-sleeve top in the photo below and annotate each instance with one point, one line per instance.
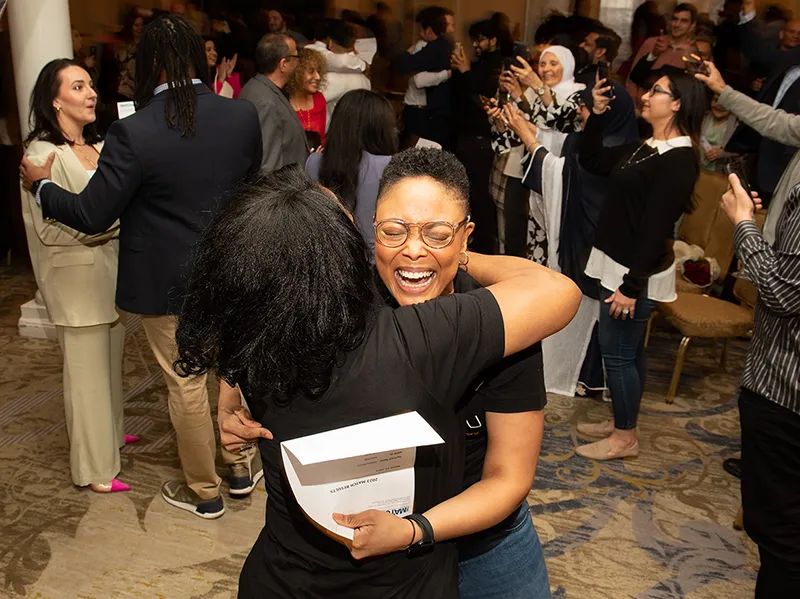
(422, 358)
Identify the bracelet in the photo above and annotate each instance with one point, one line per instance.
(413, 533)
(530, 149)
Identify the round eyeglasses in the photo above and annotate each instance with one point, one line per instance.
(436, 234)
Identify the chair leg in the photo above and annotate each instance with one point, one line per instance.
(676, 374)
(649, 329)
(738, 522)
(724, 355)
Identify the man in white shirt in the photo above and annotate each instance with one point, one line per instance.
(346, 69)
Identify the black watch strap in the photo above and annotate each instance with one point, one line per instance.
(427, 542)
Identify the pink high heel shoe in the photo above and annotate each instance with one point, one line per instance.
(114, 486)
(131, 439)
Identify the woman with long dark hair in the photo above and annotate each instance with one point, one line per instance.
(650, 186)
(77, 276)
(361, 140)
(281, 302)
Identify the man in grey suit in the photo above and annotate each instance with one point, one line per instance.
(282, 133)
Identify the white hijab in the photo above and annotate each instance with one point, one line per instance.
(567, 86)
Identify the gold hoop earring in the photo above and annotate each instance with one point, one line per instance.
(58, 108)
(465, 263)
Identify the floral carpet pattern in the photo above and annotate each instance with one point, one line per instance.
(658, 526)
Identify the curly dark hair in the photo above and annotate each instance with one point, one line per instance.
(440, 165)
(281, 289)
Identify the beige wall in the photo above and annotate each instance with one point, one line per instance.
(91, 17)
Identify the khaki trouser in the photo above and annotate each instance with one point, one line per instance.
(189, 412)
(93, 399)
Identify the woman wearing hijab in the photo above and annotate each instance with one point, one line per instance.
(556, 98)
(573, 200)
(551, 102)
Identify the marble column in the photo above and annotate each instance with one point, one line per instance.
(40, 31)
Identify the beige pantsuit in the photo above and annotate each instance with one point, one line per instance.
(77, 275)
(189, 411)
(93, 399)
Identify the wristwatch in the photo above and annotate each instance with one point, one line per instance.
(540, 91)
(425, 545)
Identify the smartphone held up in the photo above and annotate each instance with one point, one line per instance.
(734, 167)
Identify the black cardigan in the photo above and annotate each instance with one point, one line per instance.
(645, 200)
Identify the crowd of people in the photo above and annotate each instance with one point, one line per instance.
(274, 216)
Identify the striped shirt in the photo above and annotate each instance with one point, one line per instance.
(772, 368)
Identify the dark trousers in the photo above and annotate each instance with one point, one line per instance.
(421, 122)
(476, 154)
(415, 121)
(515, 214)
(625, 357)
(771, 492)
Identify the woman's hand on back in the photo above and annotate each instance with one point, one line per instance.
(600, 102)
(376, 532)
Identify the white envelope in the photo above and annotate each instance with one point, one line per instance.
(356, 468)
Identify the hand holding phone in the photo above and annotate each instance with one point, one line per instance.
(603, 75)
(695, 64)
(736, 168)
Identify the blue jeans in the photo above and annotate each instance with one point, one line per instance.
(514, 568)
(624, 358)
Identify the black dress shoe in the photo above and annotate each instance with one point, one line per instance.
(733, 466)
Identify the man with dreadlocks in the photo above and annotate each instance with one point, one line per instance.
(162, 173)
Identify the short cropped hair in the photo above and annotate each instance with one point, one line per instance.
(433, 17)
(340, 33)
(687, 7)
(485, 28)
(272, 48)
(440, 165)
(610, 40)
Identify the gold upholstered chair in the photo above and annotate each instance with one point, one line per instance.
(701, 316)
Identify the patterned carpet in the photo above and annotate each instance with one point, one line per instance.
(655, 527)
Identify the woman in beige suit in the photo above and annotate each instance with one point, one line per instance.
(77, 276)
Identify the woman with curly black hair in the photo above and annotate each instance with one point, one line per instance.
(282, 302)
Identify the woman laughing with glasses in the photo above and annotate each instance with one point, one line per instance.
(421, 230)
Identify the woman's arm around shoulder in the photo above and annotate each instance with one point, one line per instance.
(535, 302)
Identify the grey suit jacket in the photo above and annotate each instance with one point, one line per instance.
(281, 131)
(776, 125)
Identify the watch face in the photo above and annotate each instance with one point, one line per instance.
(420, 548)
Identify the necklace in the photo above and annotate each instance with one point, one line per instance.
(85, 157)
(305, 115)
(648, 157)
